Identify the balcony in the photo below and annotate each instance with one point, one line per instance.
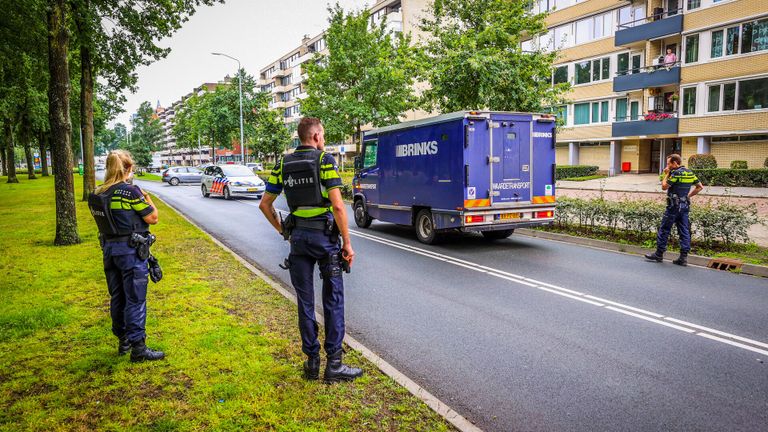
(647, 77)
(646, 126)
(654, 27)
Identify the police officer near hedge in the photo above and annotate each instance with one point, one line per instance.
(677, 180)
(123, 213)
(311, 182)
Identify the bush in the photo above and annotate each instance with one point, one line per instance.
(567, 171)
(733, 177)
(724, 223)
(765, 164)
(702, 161)
(739, 164)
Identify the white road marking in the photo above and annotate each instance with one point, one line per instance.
(656, 318)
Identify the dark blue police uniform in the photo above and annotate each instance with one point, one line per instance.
(127, 274)
(312, 243)
(678, 206)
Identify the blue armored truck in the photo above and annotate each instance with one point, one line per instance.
(487, 172)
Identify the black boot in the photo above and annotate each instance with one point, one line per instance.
(683, 260)
(657, 256)
(336, 371)
(140, 352)
(312, 368)
(124, 346)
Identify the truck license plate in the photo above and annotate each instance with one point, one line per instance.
(507, 216)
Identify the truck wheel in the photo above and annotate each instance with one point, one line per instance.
(497, 235)
(204, 191)
(362, 219)
(425, 228)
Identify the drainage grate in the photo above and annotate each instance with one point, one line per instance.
(725, 264)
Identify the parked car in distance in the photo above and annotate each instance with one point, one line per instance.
(152, 167)
(255, 166)
(183, 174)
(231, 180)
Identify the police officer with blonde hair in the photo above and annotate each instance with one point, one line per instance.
(123, 213)
(311, 182)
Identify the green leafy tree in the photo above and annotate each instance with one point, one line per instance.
(110, 139)
(271, 134)
(367, 78)
(476, 60)
(146, 134)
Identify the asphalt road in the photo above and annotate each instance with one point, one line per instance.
(530, 334)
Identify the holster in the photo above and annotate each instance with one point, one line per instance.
(330, 266)
(332, 230)
(288, 223)
(141, 244)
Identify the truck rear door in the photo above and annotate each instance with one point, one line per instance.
(510, 161)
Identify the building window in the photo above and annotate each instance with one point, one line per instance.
(729, 96)
(754, 36)
(621, 109)
(732, 45)
(753, 94)
(581, 114)
(693, 4)
(689, 101)
(583, 72)
(634, 110)
(717, 44)
(692, 48)
(561, 75)
(713, 101)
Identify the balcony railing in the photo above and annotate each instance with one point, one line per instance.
(647, 77)
(650, 124)
(657, 25)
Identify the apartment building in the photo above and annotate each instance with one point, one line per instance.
(284, 78)
(655, 77)
(171, 154)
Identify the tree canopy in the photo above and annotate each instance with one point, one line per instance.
(367, 77)
(476, 60)
(146, 135)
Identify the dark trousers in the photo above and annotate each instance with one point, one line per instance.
(676, 215)
(307, 248)
(127, 278)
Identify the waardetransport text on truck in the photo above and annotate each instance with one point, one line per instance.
(488, 172)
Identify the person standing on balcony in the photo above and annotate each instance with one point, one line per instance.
(670, 58)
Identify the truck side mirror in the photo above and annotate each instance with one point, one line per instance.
(358, 163)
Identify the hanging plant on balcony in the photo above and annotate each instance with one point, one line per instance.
(656, 116)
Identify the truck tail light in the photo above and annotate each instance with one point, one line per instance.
(545, 214)
(474, 219)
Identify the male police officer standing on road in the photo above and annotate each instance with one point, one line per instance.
(123, 213)
(677, 180)
(311, 183)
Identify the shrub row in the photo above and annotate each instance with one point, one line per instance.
(702, 161)
(725, 223)
(568, 171)
(733, 177)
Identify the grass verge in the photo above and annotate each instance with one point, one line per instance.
(149, 177)
(748, 253)
(234, 358)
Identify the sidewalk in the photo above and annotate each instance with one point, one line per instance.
(650, 183)
(647, 186)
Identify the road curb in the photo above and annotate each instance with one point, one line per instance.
(749, 269)
(440, 407)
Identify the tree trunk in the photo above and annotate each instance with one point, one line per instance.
(61, 128)
(86, 101)
(10, 157)
(3, 159)
(43, 159)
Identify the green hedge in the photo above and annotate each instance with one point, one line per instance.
(725, 223)
(733, 177)
(739, 164)
(568, 171)
(702, 161)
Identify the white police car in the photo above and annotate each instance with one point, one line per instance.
(231, 180)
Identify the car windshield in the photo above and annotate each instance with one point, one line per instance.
(237, 171)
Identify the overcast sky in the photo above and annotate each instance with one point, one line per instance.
(256, 32)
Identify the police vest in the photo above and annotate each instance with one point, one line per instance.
(680, 181)
(99, 205)
(301, 180)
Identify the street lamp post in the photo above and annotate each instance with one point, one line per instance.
(240, 82)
